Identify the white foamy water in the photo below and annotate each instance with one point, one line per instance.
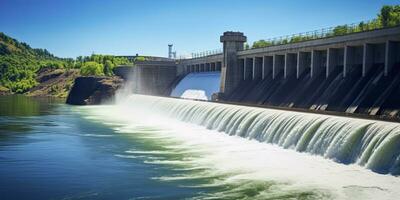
(199, 85)
(231, 148)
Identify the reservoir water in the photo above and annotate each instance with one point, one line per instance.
(159, 148)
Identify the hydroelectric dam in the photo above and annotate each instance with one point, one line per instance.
(353, 74)
(280, 94)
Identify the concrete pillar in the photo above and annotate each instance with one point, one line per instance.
(230, 73)
(392, 55)
(244, 68)
(248, 69)
(348, 54)
(257, 68)
(278, 65)
(368, 58)
(267, 65)
(290, 64)
(318, 62)
(253, 68)
(303, 62)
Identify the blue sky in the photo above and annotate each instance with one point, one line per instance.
(69, 28)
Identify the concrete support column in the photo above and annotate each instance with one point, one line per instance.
(248, 69)
(278, 65)
(392, 55)
(347, 62)
(267, 65)
(257, 68)
(290, 64)
(230, 73)
(253, 68)
(303, 62)
(368, 58)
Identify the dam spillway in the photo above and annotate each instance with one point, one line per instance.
(372, 144)
(198, 85)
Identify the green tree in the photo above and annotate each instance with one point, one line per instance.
(92, 69)
(246, 46)
(389, 16)
(108, 68)
(139, 59)
(340, 30)
(261, 43)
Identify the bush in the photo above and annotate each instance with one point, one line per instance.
(108, 68)
(92, 69)
(140, 59)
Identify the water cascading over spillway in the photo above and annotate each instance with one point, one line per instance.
(372, 144)
(198, 86)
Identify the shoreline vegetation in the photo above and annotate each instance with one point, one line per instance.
(37, 72)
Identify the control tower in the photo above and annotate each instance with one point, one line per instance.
(171, 54)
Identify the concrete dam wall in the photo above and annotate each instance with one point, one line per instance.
(354, 73)
(372, 94)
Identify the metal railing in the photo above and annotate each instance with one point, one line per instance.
(206, 53)
(310, 35)
(325, 33)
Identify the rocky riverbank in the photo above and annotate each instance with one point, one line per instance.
(54, 82)
(93, 90)
(50, 83)
(69, 84)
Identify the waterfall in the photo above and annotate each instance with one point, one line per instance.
(372, 144)
(198, 86)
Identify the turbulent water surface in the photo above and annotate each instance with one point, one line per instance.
(159, 148)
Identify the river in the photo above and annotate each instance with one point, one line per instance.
(136, 150)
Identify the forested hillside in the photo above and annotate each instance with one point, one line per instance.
(20, 65)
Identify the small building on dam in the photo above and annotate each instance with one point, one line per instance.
(354, 74)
